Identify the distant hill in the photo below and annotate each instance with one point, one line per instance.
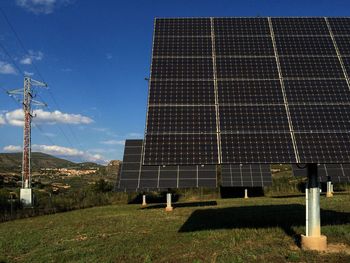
(12, 161)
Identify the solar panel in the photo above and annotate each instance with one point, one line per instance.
(249, 90)
(305, 45)
(338, 173)
(245, 175)
(340, 25)
(299, 26)
(240, 26)
(243, 46)
(136, 177)
(182, 92)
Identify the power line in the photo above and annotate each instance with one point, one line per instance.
(39, 74)
(11, 58)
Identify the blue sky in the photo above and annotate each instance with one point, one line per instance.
(95, 54)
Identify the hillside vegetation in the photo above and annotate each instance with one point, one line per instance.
(222, 230)
(13, 161)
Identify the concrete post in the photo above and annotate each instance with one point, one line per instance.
(329, 187)
(313, 240)
(168, 208)
(144, 203)
(246, 193)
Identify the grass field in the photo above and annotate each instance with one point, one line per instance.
(224, 230)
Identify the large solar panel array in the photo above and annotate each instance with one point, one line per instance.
(338, 173)
(249, 90)
(245, 175)
(136, 177)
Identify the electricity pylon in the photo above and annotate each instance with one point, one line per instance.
(28, 95)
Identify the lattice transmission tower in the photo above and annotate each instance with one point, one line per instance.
(26, 97)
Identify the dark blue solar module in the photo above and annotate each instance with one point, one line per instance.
(136, 177)
(249, 90)
(245, 175)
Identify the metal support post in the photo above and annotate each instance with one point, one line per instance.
(313, 239)
(246, 193)
(168, 208)
(144, 203)
(329, 187)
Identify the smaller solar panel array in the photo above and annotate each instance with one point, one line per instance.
(246, 175)
(134, 176)
(339, 173)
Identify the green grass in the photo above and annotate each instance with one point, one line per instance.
(234, 230)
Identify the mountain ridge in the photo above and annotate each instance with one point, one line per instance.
(12, 161)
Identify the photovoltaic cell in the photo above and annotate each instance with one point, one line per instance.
(340, 26)
(311, 67)
(326, 118)
(136, 177)
(319, 92)
(246, 68)
(322, 147)
(253, 118)
(241, 26)
(181, 92)
(248, 90)
(259, 147)
(182, 27)
(299, 26)
(343, 45)
(243, 46)
(182, 46)
(245, 175)
(179, 119)
(305, 45)
(184, 149)
(182, 68)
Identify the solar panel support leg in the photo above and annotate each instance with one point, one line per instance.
(168, 208)
(144, 203)
(329, 187)
(246, 193)
(313, 240)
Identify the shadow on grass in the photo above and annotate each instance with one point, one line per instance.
(187, 204)
(238, 192)
(265, 216)
(154, 198)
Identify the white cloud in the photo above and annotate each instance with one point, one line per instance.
(12, 148)
(26, 61)
(60, 151)
(6, 68)
(41, 6)
(15, 117)
(113, 142)
(33, 55)
(28, 73)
